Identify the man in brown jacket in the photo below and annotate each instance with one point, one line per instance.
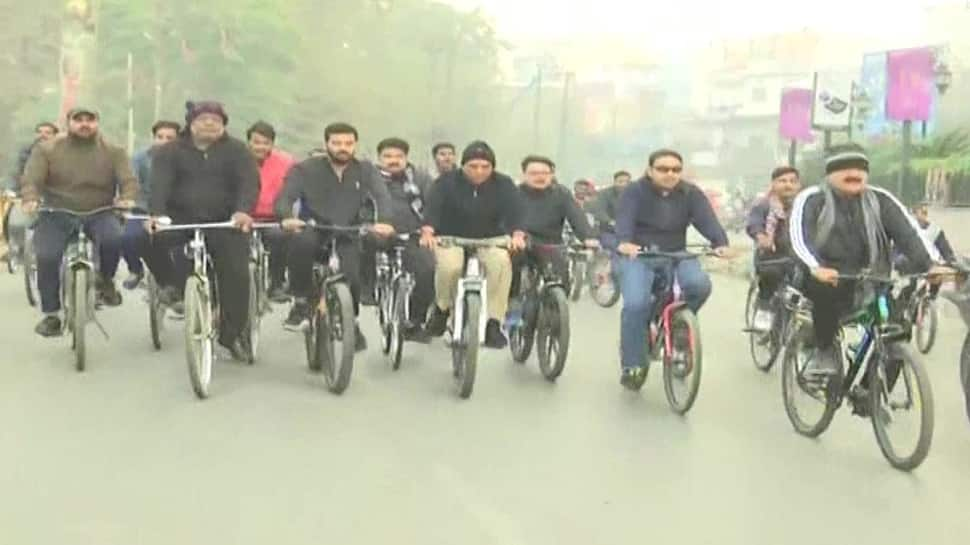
(79, 172)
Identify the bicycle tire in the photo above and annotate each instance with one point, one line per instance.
(684, 317)
(927, 414)
(30, 271)
(155, 312)
(762, 362)
(198, 335)
(789, 380)
(384, 308)
(395, 350)
(926, 324)
(464, 353)
(603, 297)
(339, 331)
(577, 280)
(965, 372)
(254, 320)
(521, 339)
(310, 338)
(552, 333)
(79, 316)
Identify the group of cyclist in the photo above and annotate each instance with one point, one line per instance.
(197, 173)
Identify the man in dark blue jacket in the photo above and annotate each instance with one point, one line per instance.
(654, 213)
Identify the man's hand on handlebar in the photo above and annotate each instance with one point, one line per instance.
(427, 238)
(125, 204)
(938, 273)
(383, 230)
(826, 275)
(517, 243)
(29, 207)
(628, 249)
(242, 221)
(591, 243)
(293, 225)
(152, 224)
(723, 252)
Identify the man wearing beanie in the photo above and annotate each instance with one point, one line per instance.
(474, 201)
(843, 226)
(206, 176)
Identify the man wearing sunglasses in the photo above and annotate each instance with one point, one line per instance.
(655, 213)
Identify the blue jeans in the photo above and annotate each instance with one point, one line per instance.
(636, 278)
(53, 232)
(131, 243)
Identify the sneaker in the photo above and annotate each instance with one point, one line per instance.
(494, 338)
(108, 293)
(632, 378)
(416, 334)
(299, 317)
(277, 294)
(360, 342)
(133, 280)
(763, 320)
(237, 349)
(825, 362)
(438, 322)
(50, 326)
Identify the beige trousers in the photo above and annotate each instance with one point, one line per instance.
(498, 278)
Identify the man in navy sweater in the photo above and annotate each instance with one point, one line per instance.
(654, 213)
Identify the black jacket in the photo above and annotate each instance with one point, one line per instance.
(329, 199)
(757, 222)
(408, 193)
(847, 249)
(192, 185)
(545, 211)
(604, 207)
(457, 208)
(647, 217)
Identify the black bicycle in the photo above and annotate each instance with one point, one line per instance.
(330, 338)
(393, 289)
(545, 318)
(766, 344)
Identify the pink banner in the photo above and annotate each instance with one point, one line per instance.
(911, 78)
(795, 122)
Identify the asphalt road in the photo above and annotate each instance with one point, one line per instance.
(124, 453)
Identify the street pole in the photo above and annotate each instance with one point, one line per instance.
(828, 139)
(904, 159)
(564, 120)
(131, 105)
(538, 110)
(792, 153)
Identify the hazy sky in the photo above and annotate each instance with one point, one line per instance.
(687, 24)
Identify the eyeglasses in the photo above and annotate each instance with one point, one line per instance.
(669, 170)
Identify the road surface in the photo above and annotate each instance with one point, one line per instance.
(124, 454)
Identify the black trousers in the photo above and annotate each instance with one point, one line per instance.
(829, 304)
(229, 250)
(770, 278)
(276, 241)
(557, 259)
(312, 246)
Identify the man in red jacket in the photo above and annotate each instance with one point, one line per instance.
(273, 166)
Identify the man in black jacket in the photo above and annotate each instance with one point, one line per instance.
(545, 209)
(844, 226)
(473, 202)
(334, 189)
(205, 176)
(605, 205)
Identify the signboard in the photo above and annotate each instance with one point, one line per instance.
(912, 80)
(831, 103)
(795, 119)
(872, 82)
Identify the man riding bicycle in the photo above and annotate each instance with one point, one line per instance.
(273, 165)
(78, 172)
(545, 210)
(15, 221)
(604, 208)
(333, 190)
(767, 225)
(655, 213)
(205, 176)
(478, 202)
(844, 226)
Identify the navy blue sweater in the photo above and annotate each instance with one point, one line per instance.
(647, 217)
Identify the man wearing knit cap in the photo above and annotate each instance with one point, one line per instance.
(843, 226)
(79, 172)
(206, 176)
(473, 202)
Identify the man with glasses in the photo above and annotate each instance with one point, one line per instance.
(655, 213)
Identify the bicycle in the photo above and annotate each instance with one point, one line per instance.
(921, 312)
(78, 293)
(469, 315)
(545, 320)
(579, 257)
(603, 286)
(332, 325)
(201, 300)
(393, 294)
(259, 304)
(674, 332)
(876, 362)
(766, 346)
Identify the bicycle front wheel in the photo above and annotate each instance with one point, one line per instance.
(603, 286)
(395, 329)
(577, 280)
(79, 316)
(155, 313)
(926, 323)
(255, 313)
(682, 367)
(30, 271)
(761, 343)
(198, 335)
(552, 333)
(899, 383)
(336, 337)
(464, 350)
(809, 405)
(965, 371)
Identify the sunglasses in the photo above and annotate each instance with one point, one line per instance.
(669, 170)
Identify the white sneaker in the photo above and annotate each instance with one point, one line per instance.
(763, 320)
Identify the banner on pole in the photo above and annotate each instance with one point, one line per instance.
(831, 103)
(795, 120)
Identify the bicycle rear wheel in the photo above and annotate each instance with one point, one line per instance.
(395, 329)
(761, 343)
(926, 324)
(30, 271)
(682, 368)
(336, 337)
(819, 399)
(578, 279)
(156, 314)
(552, 333)
(255, 313)
(198, 335)
(603, 286)
(464, 350)
(900, 382)
(79, 316)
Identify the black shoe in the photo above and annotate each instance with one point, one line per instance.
(632, 378)
(277, 294)
(50, 326)
(494, 338)
(360, 342)
(416, 334)
(237, 349)
(299, 317)
(108, 293)
(133, 280)
(825, 363)
(438, 322)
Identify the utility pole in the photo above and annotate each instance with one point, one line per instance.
(131, 105)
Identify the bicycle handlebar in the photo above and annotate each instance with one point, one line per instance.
(75, 213)
(460, 242)
(329, 228)
(193, 226)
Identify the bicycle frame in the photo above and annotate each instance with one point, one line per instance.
(472, 281)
